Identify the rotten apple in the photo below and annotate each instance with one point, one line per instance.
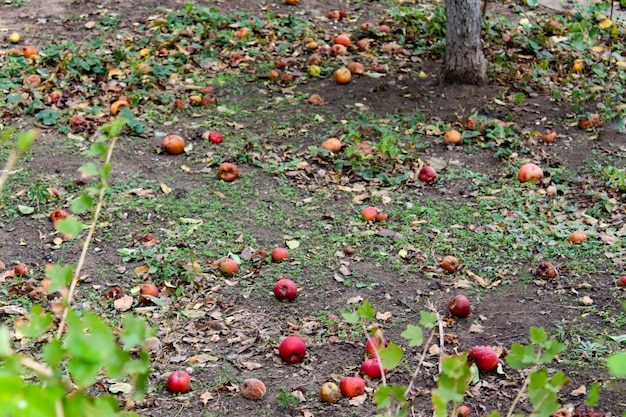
(329, 392)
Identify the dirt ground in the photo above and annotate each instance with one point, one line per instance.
(238, 338)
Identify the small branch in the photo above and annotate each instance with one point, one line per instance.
(419, 365)
(33, 365)
(441, 341)
(8, 167)
(87, 243)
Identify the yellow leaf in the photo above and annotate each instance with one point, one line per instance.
(606, 23)
(165, 188)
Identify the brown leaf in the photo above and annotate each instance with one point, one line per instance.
(354, 300)
(123, 303)
(206, 397)
(251, 366)
(359, 400)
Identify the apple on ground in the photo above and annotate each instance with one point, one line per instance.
(292, 349)
(329, 392)
(285, 289)
(485, 357)
(530, 172)
(459, 306)
(352, 386)
(279, 254)
(622, 281)
(229, 266)
(369, 213)
(371, 368)
(20, 270)
(449, 263)
(427, 174)
(178, 382)
(374, 343)
(463, 411)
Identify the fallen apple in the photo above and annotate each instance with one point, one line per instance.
(343, 39)
(545, 270)
(332, 145)
(285, 289)
(459, 306)
(352, 386)
(228, 172)
(452, 137)
(343, 74)
(374, 343)
(173, 144)
(292, 349)
(485, 357)
(149, 290)
(530, 172)
(14, 37)
(463, 411)
(213, 136)
(371, 368)
(577, 237)
(229, 266)
(279, 254)
(329, 392)
(622, 281)
(381, 217)
(427, 174)
(253, 389)
(57, 215)
(178, 382)
(369, 213)
(356, 68)
(449, 263)
(20, 270)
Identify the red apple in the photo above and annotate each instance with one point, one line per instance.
(178, 382)
(352, 386)
(427, 174)
(381, 217)
(329, 392)
(20, 270)
(285, 289)
(485, 357)
(374, 343)
(150, 290)
(463, 411)
(280, 254)
(369, 213)
(292, 349)
(229, 266)
(371, 368)
(622, 281)
(214, 136)
(459, 306)
(530, 172)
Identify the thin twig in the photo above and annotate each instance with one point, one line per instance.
(86, 244)
(8, 167)
(441, 344)
(518, 397)
(40, 368)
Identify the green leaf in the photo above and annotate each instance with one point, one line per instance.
(618, 339)
(351, 318)
(70, 226)
(414, 335)
(53, 353)
(593, 396)
(5, 342)
(83, 203)
(366, 311)
(452, 384)
(89, 169)
(134, 332)
(538, 335)
(38, 323)
(617, 364)
(521, 356)
(25, 140)
(382, 396)
(428, 319)
(391, 355)
(60, 275)
(25, 209)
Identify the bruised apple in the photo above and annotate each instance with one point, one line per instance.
(343, 75)
(530, 172)
(449, 263)
(229, 266)
(459, 306)
(329, 392)
(352, 386)
(285, 289)
(173, 144)
(427, 174)
(253, 389)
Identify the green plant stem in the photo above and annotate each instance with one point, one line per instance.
(8, 167)
(520, 393)
(39, 368)
(86, 244)
(419, 365)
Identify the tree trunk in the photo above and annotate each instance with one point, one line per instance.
(465, 62)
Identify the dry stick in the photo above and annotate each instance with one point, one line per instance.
(519, 394)
(8, 167)
(83, 254)
(440, 341)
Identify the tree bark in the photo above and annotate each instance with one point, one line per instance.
(464, 62)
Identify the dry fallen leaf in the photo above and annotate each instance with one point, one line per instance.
(124, 303)
(355, 300)
(357, 401)
(206, 397)
(582, 390)
(251, 365)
